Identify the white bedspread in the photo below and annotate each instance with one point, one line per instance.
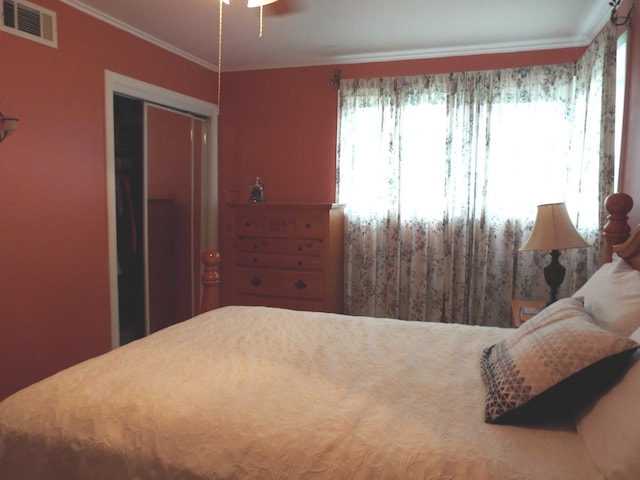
(250, 392)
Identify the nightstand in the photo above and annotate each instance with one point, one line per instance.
(523, 310)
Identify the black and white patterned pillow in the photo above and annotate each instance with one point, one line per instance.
(553, 363)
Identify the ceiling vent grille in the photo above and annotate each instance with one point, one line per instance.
(31, 21)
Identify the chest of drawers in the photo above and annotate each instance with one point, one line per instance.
(289, 255)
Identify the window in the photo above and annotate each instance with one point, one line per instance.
(502, 140)
(441, 176)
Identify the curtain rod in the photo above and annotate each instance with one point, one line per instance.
(621, 21)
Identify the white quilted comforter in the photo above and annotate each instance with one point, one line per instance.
(251, 392)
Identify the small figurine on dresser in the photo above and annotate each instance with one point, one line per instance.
(257, 191)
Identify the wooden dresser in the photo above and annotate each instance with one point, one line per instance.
(289, 255)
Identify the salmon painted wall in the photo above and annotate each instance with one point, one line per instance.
(281, 125)
(54, 277)
(630, 167)
(277, 124)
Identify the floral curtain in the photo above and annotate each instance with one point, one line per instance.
(441, 176)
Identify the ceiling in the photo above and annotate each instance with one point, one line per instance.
(323, 32)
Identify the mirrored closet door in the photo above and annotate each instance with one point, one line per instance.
(159, 195)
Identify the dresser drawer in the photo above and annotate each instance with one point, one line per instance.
(279, 283)
(282, 224)
(275, 260)
(288, 246)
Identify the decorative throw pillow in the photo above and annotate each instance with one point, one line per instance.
(612, 296)
(555, 362)
(610, 425)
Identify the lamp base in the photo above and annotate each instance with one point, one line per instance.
(554, 275)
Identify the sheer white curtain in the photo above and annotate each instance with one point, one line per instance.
(442, 174)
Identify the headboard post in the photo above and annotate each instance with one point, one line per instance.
(616, 230)
(210, 281)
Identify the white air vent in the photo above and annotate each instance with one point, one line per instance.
(31, 21)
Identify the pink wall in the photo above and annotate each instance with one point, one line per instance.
(630, 168)
(277, 124)
(54, 291)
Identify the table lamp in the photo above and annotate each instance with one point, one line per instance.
(553, 231)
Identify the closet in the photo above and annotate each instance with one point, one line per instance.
(159, 158)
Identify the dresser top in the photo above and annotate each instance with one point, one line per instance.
(288, 205)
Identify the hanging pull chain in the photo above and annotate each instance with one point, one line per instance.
(219, 54)
(261, 20)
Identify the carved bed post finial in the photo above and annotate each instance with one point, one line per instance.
(210, 281)
(616, 230)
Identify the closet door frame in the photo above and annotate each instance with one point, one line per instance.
(119, 84)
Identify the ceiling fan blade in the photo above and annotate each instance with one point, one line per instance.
(256, 3)
(283, 7)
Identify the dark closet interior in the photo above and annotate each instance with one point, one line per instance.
(129, 144)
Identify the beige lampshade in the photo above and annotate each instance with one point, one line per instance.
(553, 230)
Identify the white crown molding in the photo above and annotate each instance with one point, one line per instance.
(423, 54)
(590, 29)
(138, 33)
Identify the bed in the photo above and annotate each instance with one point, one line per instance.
(257, 392)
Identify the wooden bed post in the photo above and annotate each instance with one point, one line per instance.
(210, 281)
(616, 230)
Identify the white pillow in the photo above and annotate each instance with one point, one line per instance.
(612, 297)
(551, 365)
(610, 425)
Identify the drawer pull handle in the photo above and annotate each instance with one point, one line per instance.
(299, 249)
(308, 225)
(255, 260)
(300, 285)
(256, 282)
(299, 263)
